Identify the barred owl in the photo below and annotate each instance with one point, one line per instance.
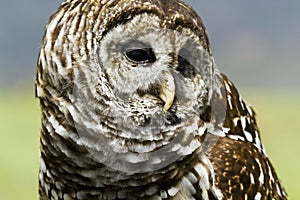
(133, 107)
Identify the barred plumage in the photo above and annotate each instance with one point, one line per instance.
(133, 107)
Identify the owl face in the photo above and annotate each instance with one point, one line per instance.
(145, 91)
(132, 83)
(156, 75)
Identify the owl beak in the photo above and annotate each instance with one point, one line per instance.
(167, 90)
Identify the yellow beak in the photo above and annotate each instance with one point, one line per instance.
(167, 91)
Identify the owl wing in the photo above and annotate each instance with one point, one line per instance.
(242, 171)
(242, 168)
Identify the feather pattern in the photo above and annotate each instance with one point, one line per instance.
(133, 107)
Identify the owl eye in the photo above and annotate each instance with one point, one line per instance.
(182, 63)
(145, 55)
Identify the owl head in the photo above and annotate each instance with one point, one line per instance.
(133, 78)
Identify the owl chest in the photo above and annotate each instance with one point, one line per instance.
(178, 183)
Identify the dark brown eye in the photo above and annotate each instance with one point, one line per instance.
(145, 55)
(182, 64)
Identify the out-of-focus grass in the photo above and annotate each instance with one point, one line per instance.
(278, 117)
(19, 145)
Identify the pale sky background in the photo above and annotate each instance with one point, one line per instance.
(256, 43)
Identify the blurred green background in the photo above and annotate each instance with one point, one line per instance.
(20, 122)
(256, 43)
